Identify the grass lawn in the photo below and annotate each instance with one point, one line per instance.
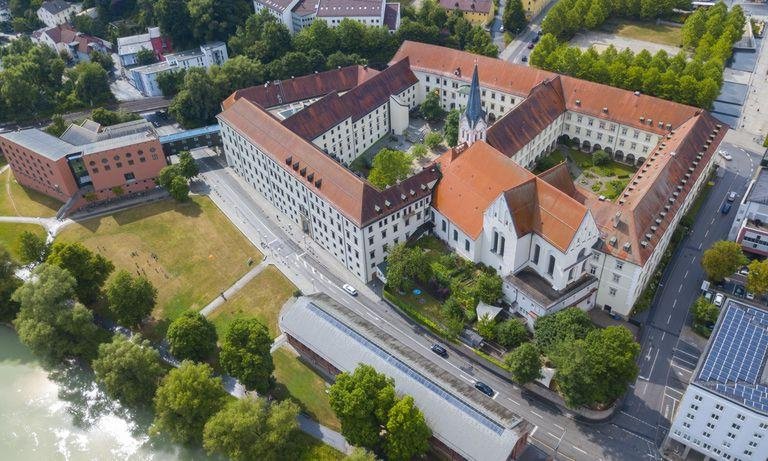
(16, 200)
(299, 382)
(544, 163)
(262, 298)
(308, 448)
(656, 33)
(189, 251)
(9, 235)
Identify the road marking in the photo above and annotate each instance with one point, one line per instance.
(680, 289)
(686, 353)
(685, 361)
(578, 449)
(637, 419)
(712, 222)
(687, 370)
(667, 388)
(693, 260)
(685, 275)
(556, 437)
(666, 411)
(700, 245)
(706, 233)
(558, 426)
(516, 403)
(534, 413)
(669, 319)
(674, 303)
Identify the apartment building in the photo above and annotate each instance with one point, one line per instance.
(478, 12)
(129, 47)
(66, 39)
(723, 414)
(144, 78)
(55, 12)
(87, 161)
(750, 228)
(298, 14)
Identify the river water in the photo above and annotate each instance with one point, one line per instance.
(62, 415)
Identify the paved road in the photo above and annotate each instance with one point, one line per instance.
(518, 47)
(312, 271)
(667, 361)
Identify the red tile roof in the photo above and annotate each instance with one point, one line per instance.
(309, 86)
(66, 34)
(471, 6)
(331, 110)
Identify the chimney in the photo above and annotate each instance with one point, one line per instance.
(616, 219)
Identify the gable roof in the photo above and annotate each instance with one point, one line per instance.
(560, 178)
(331, 110)
(66, 34)
(57, 6)
(302, 88)
(471, 6)
(354, 197)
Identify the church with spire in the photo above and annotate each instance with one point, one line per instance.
(473, 123)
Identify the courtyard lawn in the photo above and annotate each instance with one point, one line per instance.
(189, 251)
(608, 180)
(16, 200)
(544, 163)
(299, 382)
(308, 448)
(9, 235)
(662, 34)
(261, 298)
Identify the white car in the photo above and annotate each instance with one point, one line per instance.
(750, 296)
(725, 155)
(349, 289)
(719, 298)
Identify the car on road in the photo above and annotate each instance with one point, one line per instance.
(439, 350)
(524, 59)
(501, 29)
(750, 296)
(739, 291)
(719, 298)
(725, 155)
(726, 207)
(349, 289)
(530, 46)
(732, 196)
(484, 388)
(535, 39)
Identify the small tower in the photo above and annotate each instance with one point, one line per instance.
(472, 125)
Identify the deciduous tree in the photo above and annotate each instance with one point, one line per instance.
(433, 139)
(32, 247)
(90, 269)
(407, 431)
(704, 312)
(8, 284)
(757, 279)
(513, 18)
(389, 167)
(245, 354)
(451, 128)
(722, 259)
(191, 336)
(511, 333)
(431, 109)
(524, 363)
(129, 369)
(187, 165)
(130, 299)
(567, 325)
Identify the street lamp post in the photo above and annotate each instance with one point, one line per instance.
(557, 447)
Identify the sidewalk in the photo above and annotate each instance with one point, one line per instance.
(231, 291)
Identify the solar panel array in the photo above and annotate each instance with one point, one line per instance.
(410, 372)
(737, 356)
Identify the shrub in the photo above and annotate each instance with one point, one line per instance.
(600, 157)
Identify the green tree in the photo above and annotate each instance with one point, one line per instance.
(419, 150)
(90, 269)
(708, 89)
(487, 287)
(106, 117)
(524, 363)
(48, 322)
(389, 166)
(318, 36)
(173, 180)
(511, 333)
(513, 18)
(179, 189)
(407, 431)
(433, 139)
(145, 56)
(757, 279)
(129, 369)
(251, 428)
(245, 354)
(101, 58)
(130, 299)
(600, 157)
(167, 173)
(406, 265)
(187, 165)
(451, 128)
(186, 399)
(722, 259)
(32, 247)
(170, 83)
(262, 37)
(197, 102)
(486, 327)
(339, 59)
(704, 312)
(214, 20)
(360, 454)
(57, 127)
(567, 325)
(236, 73)
(191, 336)
(91, 84)
(362, 401)
(8, 284)
(431, 109)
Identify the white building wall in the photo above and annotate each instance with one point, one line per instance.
(610, 134)
(719, 428)
(284, 16)
(52, 20)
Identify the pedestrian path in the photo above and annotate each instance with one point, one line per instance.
(231, 291)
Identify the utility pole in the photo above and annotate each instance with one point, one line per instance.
(554, 454)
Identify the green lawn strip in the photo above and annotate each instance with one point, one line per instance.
(261, 298)
(662, 34)
(10, 232)
(418, 312)
(189, 251)
(298, 382)
(308, 448)
(16, 200)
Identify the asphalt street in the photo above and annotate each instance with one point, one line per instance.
(518, 47)
(667, 361)
(313, 270)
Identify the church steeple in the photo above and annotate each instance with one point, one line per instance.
(472, 124)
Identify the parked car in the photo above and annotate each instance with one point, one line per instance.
(708, 296)
(719, 298)
(535, 39)
(750, 296)
(349, 289)
(530, 46)
(484, 388)
(439, 350)
(744, 271)
(732, 196)
(725, 155)
(501, 29)
(726, 207)
(524, 59)
(739, 291)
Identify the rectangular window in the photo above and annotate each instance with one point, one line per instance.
(501, 247)
(551, 267)
(612, 291)
(593, 270)
(466, 245)
(536, 251)
(444, 225)
(495, 245)
(455, 236)
(616, 278)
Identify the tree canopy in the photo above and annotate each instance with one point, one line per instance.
(511, 333)
(129, 369)
(513, 18)
(704, 312)
(251, 428)
(407, 431)
(8, 284)
(187, 166)
(245, 354)
(130, 299)
(567, 325)
(406, 265)
(191, 336)
(32, 247)
(757, 278)
(49, 322)
(451, 128)
(186, 399)
(90, 269)
(524, 363)
(722, 259)
(431, 109)
(388, 167)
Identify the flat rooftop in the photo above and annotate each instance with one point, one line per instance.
(540, 289)
(758, 193)
(734, 364)
(42, 143)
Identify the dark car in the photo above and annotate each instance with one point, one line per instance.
(439, 350)
(524, 59)
(530, 46)
(484, 388)
(535, 39)
(726, 208)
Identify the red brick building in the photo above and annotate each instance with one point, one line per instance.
(88, 161)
